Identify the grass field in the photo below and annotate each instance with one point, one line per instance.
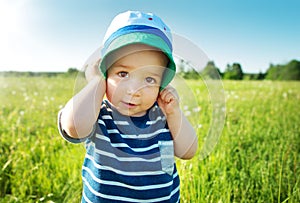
(257, 158)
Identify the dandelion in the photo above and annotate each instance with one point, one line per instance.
(284, 95)
(21, 113)
(187, 113)
(227, 95)
(13, 92)
(197, 109)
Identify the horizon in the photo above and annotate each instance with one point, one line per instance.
(65, 71)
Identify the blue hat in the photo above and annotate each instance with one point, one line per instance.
(133, 27)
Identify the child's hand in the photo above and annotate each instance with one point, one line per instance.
(168, 101)
(92, 70)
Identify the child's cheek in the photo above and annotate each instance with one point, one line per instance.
(111, 88)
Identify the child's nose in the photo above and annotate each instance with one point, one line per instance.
(134, 87)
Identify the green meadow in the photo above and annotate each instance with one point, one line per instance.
(255, 159)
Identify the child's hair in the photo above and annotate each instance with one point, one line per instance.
(134, 27)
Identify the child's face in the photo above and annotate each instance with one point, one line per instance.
(133, 81)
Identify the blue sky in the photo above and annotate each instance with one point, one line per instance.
(53, 35)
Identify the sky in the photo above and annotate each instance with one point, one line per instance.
(54, 35)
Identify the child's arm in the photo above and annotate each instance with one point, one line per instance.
(184, 135)
(81, 112)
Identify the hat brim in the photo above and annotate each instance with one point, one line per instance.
(143, 38)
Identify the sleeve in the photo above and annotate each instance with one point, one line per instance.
(68, 138)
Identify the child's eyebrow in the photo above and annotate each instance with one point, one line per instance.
(124, 67)
(155, 74)
(119, 65)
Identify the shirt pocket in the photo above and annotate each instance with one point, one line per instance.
(166, 149)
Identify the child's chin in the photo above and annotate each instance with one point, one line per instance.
(132, 114)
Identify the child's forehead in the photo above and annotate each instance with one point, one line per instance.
(134, 49)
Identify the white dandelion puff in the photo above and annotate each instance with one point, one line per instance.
(197, 109)
(187, 113)
(284, 95)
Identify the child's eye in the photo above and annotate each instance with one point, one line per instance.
(123, 74)
(150, 80)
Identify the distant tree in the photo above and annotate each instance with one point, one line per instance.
(211, 71)
(186, 70)
(289, 71)
(233, 72)
(72, 71)
(181, 66)
(273, 73)
(260, 76)
(254, 76)
(191, 74)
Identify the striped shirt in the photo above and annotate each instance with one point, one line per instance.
(129, 159)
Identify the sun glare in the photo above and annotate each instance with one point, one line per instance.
(12, 24)
(9, 18)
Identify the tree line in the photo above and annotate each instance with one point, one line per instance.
(288, 71)
(71, 72)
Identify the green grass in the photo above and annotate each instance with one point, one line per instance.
(256, 159)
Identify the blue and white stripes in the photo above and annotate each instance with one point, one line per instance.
(136, 167)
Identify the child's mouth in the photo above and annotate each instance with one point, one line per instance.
(129, 105)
